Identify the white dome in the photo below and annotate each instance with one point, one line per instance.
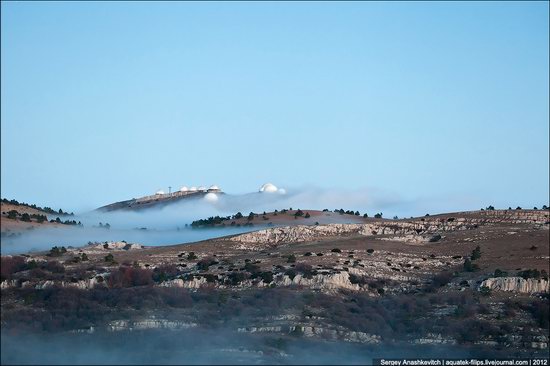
(184, 189)
(193, 189)
(211, 197)
(159, 192)
(214, 187)
(268, 187)
(202, 188)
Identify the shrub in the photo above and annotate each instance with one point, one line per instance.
(40, 218)
(57, 252)
(355, 279)
(191, 256)
(11, 265)
(165, 272)
(267, 277)
(308, 254)
(109, 258)
(370, 251)
(209, 222)
(307, 216)
(205, 263)
(532, 273)
(485, 291)
(291, 258)
(304, 269)
(336, 250)
(500, 273)
(291, 273)
(540, 311)
(54, 267)
(75, 259)
(476, 253)
(469, 266)
(252, 268)
(435, 238)
(234, 278)
(25, 217)
(442, 279)
(130, 277)
(365, 215)
(378, 215)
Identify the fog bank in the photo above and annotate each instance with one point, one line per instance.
(200, 346)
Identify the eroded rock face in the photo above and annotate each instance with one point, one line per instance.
(291, 234)
(335, 334)
(536, 217)
(178, 282)
(123, 325)
(82, 284)
(516, 284)
(86, 284)
(6, 284)
(416, 231)
(432, 338)
(406, 231)
(321, 282)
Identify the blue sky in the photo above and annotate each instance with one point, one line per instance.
(442, 102)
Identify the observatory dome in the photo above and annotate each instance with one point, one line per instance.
(214, 187)
(268, 187)
(211, 197)
(184, 189)
(202, 188)
(159, 192)
(193, 189)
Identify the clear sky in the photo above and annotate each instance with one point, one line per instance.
(104, 101)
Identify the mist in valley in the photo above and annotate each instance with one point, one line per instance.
(170, 224)
(206, 346)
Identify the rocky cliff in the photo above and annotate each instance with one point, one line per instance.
(516, 284)
(414, 231)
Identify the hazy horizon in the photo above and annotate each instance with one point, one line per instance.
(439, 105)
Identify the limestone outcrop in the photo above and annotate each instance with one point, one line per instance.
(516, 284)
(152, 323)
(321, 282)
(414, 231)
(191, 284)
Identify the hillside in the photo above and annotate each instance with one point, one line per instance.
(155, 201)
(18, 216)
(476, 281)
(279, 218)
